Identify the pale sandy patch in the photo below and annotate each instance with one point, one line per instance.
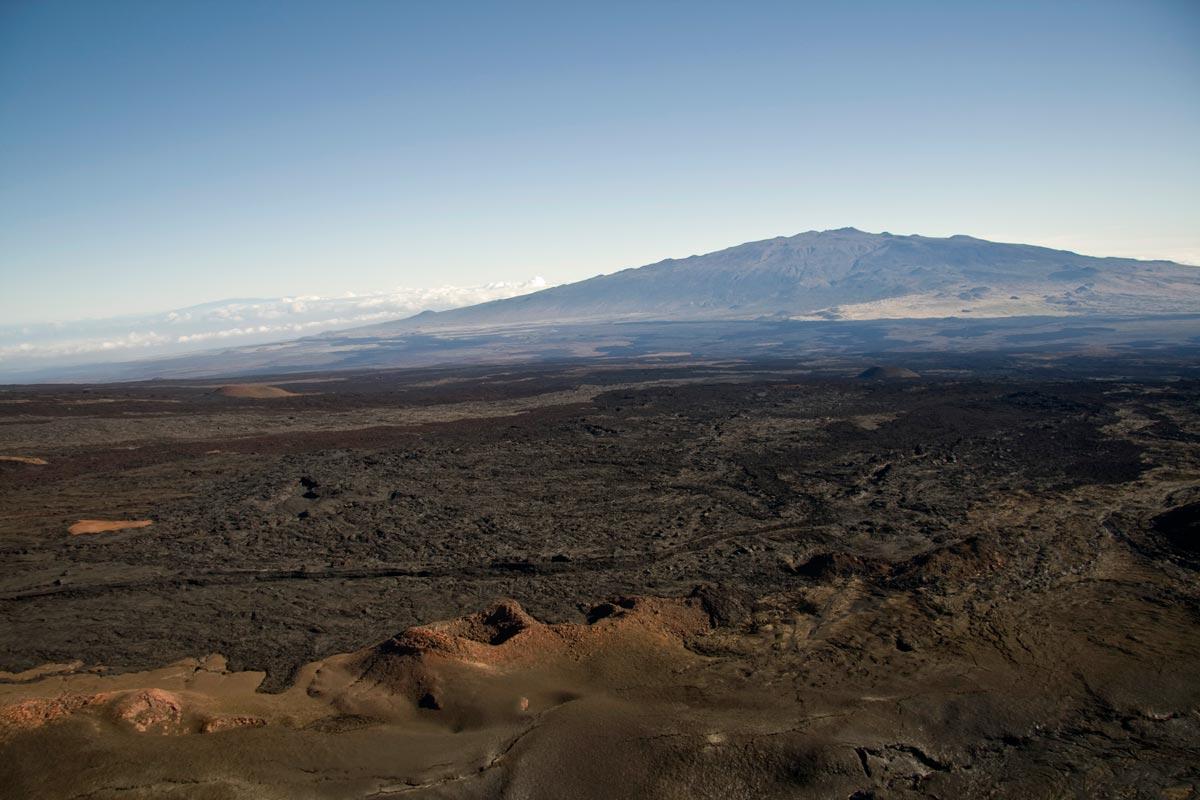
(871, 422)
(41, 462)
(42, 671)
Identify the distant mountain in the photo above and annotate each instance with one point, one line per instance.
(821, 293)
(846, 274)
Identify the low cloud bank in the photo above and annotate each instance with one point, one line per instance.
(231, 323)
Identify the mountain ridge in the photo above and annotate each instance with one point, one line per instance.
(847, 273)
(812, 295)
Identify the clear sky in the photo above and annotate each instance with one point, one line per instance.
(157, 154)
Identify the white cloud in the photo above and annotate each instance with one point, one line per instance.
(237, 322)
(132, 340)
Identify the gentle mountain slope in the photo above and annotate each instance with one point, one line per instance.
(852, 275)
(817, 293)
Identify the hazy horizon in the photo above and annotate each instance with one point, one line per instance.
(233, 322)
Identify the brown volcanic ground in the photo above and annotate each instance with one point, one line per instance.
(737, 580)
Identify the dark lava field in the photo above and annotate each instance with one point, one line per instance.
(980, 581)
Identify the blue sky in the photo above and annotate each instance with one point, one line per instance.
(155, 155)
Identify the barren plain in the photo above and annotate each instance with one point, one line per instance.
(969, 578)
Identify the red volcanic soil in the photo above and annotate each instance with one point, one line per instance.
(254, 391)
(505, 636)
(86, 526)
(147, 710)
(486, 666)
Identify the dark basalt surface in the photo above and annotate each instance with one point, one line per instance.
(1045, 528)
